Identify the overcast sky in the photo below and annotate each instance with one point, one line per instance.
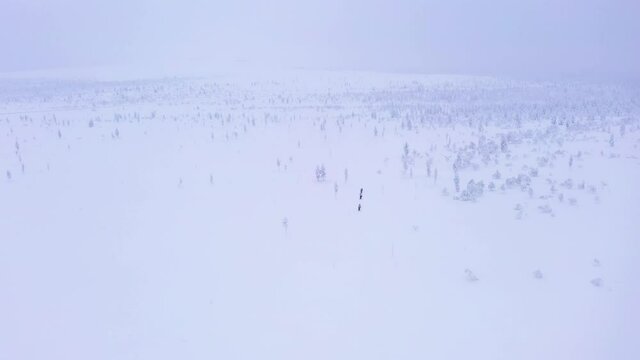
(456, 36)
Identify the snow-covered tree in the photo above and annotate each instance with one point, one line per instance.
(456, 181)
(321, 173)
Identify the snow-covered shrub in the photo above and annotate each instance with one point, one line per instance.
(543, 161)
(522, 181)
(470, 276)
(503, 145)
(545, 209)
(464, 159)
(321, 173)
(568, 184)
(473, 191)
(486, 149)
(537, 274)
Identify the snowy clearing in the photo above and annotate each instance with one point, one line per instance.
(219, 218)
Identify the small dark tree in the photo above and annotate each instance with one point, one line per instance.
(321, 173)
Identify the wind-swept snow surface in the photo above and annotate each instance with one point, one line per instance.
(319, 216)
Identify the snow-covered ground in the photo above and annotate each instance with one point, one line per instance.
(217, 218)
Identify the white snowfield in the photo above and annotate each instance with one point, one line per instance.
(217, 218)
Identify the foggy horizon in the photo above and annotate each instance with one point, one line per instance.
(529, 38)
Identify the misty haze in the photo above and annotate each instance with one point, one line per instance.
(319, 179)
